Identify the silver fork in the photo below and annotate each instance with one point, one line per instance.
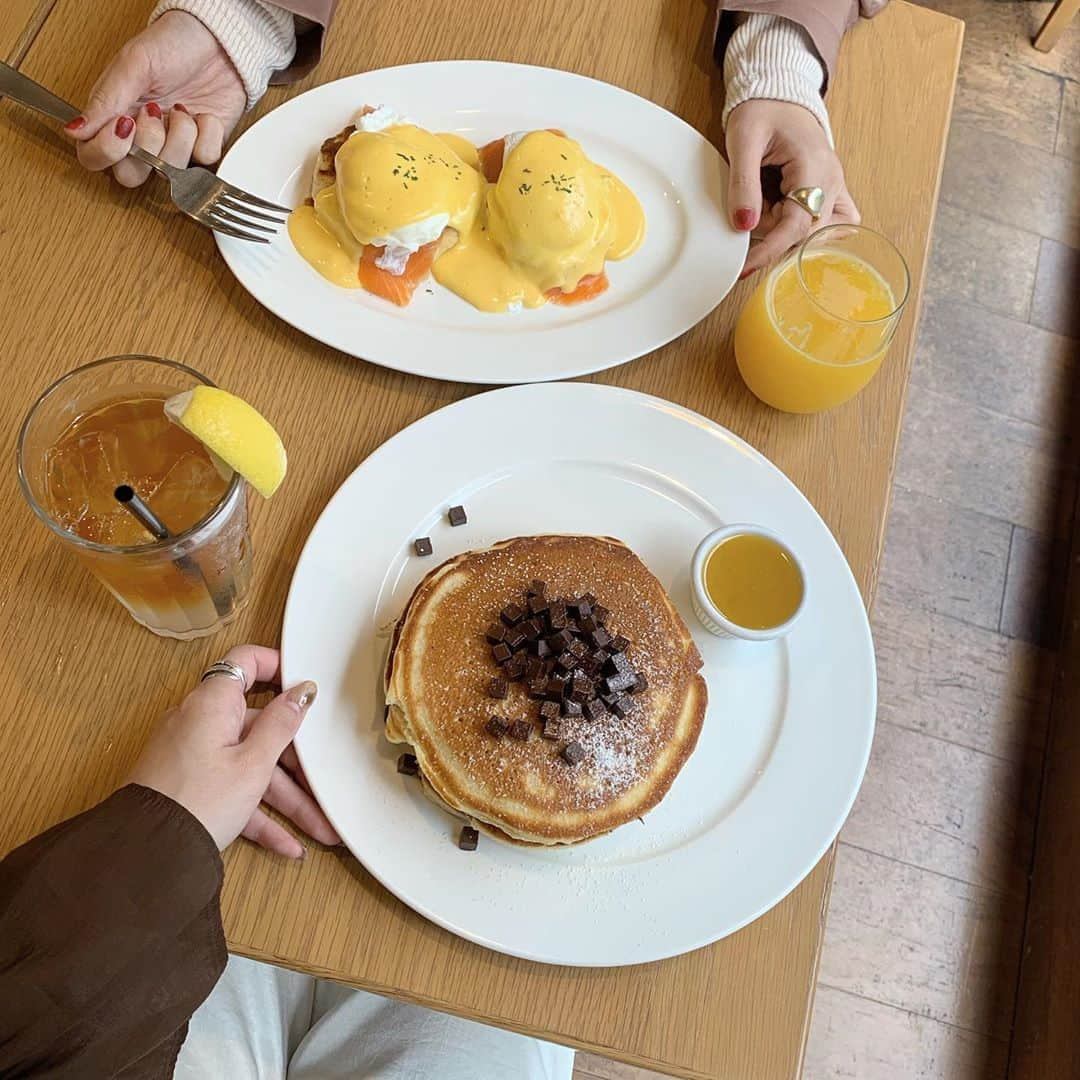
(197, 192)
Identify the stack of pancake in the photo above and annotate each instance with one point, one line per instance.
(454, 704)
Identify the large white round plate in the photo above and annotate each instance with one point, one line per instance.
(789, 723)
(689, 261)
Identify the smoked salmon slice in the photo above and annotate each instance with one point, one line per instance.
(491, 159)
(590, 286)
(398, 289)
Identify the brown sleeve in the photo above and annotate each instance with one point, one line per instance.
(824, 20)
(110, 938)
(312, 20)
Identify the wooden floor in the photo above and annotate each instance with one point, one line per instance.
(924, 933)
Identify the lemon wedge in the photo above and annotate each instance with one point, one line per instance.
(233, 431)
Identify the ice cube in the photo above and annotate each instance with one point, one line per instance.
(187, 492)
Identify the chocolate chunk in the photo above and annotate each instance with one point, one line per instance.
(534, 667)
(512, 614)
(496, 632)
(501, 653)
(581, 688)
(538, 605)
(571, 709)
(608, 699)
(601, 614)
(514, 668)
(537, 687)
(587, 624)
(582, 608)
(567, 660)
(456, 515)
(589, 599)
(538, 587)
(468, 839)
(532, 628)
(515, 636)
(641, 684)
(600, 638)
(619, 664)
(562, 640)
(543, 649)
(620, 643)
(622, 705)
(557, 617)
(422, 546)
(552, 729)
(498, 688)
(519, 730)
(578, 648)
(572, 753)
(408, 765)
(550, 710)
(616, 684)
(595, 709)
(556, 688)
(497, 726)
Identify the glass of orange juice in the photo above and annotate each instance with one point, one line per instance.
(816, 329)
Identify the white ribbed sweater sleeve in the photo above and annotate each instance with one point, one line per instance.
(259, 38)
(769, 56)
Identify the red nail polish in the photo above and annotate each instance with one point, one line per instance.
(745, 218)
(124, 127)
(181, 108)
(745, 274)
(153, 109)
(76, 124)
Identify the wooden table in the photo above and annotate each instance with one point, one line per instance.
(89, 270)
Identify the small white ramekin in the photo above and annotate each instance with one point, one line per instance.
(709, 615)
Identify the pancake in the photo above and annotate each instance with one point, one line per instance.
(440, 666)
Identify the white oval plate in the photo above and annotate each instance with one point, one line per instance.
(689, 261)
(789, 725)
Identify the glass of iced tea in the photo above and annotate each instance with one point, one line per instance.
(816, 329)
(103, 426)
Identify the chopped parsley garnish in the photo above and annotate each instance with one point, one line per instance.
(562, 183)
(524, 189)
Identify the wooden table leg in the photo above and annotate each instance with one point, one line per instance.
(1057, 22)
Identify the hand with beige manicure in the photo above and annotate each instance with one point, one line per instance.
(172, 89)
(219, 759)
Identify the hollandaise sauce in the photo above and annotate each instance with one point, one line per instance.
(544, 227)
(753, 581)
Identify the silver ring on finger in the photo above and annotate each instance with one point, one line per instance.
(811, 199)
(229, 670)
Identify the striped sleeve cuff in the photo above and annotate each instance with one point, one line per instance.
(771, 57)
(259, 38)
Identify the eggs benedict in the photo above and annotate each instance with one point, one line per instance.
(525, 220)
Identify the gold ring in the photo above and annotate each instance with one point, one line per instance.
(811, 199)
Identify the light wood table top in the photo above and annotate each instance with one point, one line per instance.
(90, 270)
(20, 21)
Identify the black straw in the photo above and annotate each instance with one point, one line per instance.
(129, 499)
(126, 496)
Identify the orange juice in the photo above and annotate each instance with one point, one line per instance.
(816, 329)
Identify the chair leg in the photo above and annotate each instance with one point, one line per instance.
(1057, 22)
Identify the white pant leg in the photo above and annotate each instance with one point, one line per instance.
(365, 1037)
(249, 1026)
